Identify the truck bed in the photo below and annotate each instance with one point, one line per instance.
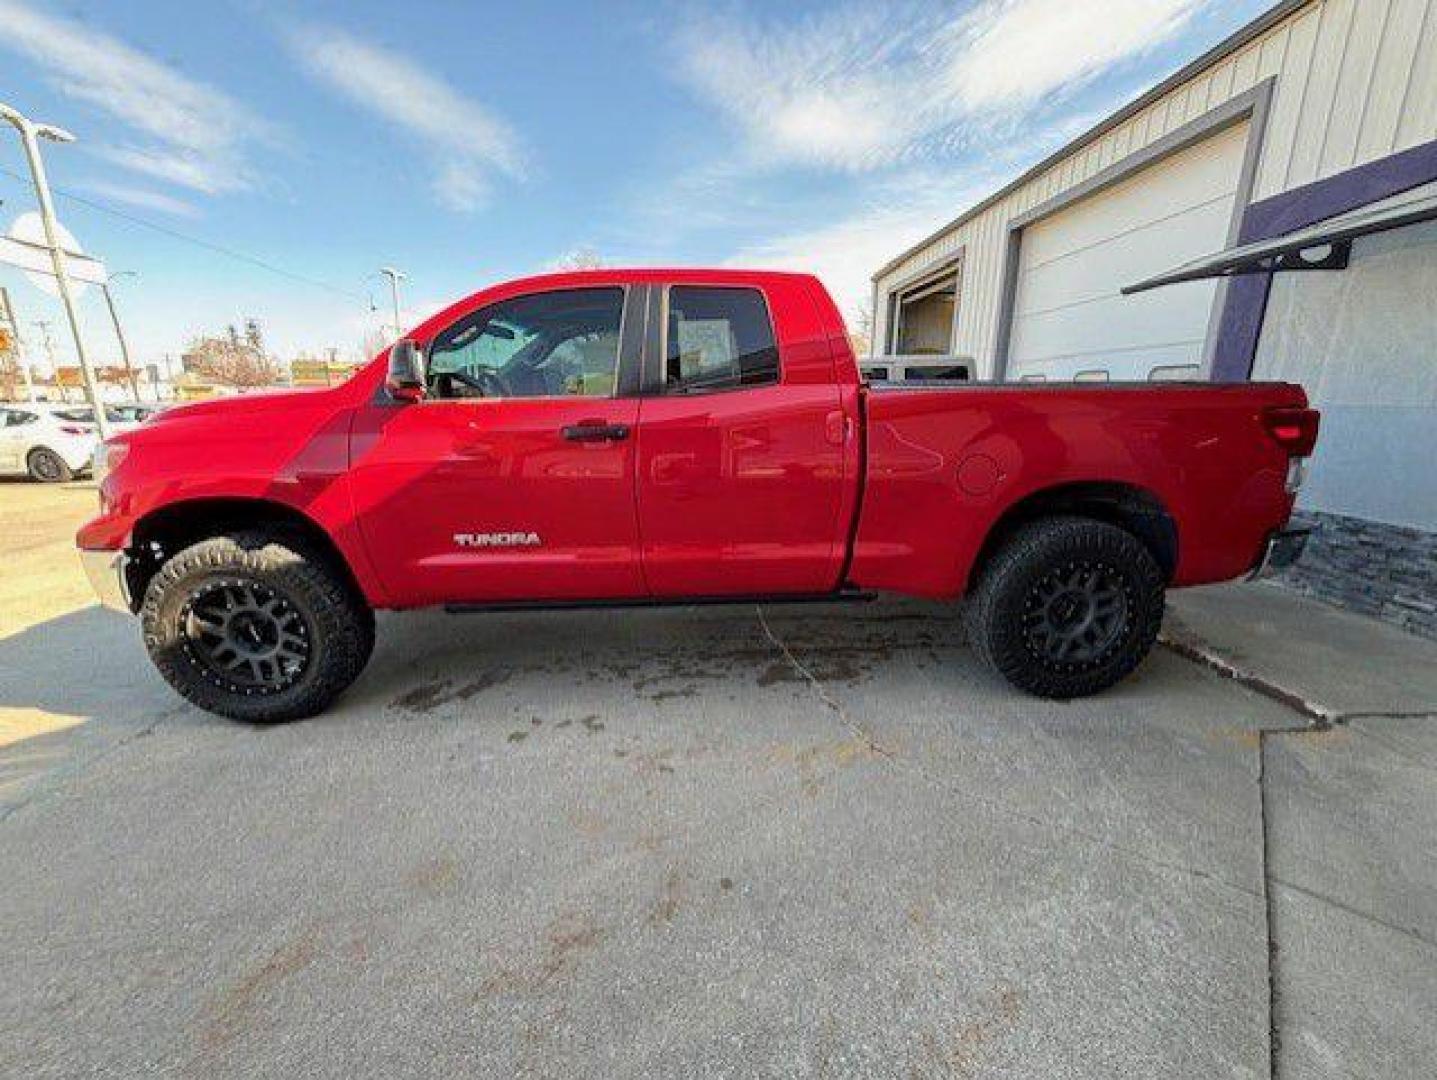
(957, 457)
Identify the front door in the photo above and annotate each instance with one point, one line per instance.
(513, 479)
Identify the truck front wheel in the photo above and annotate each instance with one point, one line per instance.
(255, 627)
(1066, 607)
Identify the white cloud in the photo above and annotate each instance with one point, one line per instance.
(859, 88)
(844, 253)
(1013, 53)
(191, 134)
(468, 142)
(143, 198)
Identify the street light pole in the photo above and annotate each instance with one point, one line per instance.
(30, 134)
(120, 334)
(394, 277)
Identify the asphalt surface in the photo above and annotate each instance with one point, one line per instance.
(796, 841)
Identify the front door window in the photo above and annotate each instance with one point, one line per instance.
(553, 344)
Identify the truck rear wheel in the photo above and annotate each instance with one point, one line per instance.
(254, 627)
(1066, 607)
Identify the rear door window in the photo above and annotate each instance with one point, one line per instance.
(718, 339)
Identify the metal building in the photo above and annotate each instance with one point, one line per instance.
(1315, 124)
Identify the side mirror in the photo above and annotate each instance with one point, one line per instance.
(405, 381)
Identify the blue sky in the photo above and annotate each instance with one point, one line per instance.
(469, 142)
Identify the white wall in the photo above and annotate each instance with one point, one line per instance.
(1356, 81)
(1363, 342)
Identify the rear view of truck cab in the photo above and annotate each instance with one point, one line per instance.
(668, 437)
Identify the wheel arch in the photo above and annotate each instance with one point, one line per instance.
(175, 526)
(1128, 506)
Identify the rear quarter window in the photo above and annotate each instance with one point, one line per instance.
(718, 339)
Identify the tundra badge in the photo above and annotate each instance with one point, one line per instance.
(499, 539)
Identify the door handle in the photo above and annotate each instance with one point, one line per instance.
(595, 432)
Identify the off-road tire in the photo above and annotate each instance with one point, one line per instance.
(47, 467)
(1008, 611)
(336, 624)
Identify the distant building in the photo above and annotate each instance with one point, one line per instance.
(315, 371)
(1319, 114)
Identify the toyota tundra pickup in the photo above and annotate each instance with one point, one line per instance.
(674, 437)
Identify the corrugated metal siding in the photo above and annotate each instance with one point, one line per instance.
(1356, 81)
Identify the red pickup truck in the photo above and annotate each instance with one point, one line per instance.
(673, 437)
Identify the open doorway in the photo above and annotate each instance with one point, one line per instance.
(924, 316)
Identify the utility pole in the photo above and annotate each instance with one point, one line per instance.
(394, 276)
(9, 314)
(120, 334)
(30, 134)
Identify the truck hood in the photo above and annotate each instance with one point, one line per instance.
(244, 404)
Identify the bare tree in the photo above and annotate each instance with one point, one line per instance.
(10, 375)
(581, 258)
(861, 336)
(233, 359)
(374, 342)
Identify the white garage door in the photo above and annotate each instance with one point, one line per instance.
(1070, 321)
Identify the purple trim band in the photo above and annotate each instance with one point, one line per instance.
(1246, 304)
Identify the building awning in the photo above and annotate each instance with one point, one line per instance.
(1324, 246)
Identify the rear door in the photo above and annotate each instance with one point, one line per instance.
(514, 478)
(741, 444)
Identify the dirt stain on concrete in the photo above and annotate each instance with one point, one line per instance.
(233, 1011)
(436, 875)
(959, 1053)
(669, 695)
(567, 938)
(817, 763)
(429, 696)
(670, 899)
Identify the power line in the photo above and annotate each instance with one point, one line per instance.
(220, 249)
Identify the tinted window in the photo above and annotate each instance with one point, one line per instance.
(113, 413)
(554, 344)
(15, 418)
(718, 339)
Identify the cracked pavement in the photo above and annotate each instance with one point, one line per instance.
(789, 841)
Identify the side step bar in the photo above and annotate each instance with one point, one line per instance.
(848, 596)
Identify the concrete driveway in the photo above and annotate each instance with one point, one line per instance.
(796, 841)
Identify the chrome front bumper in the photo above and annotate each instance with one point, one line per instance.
(106, 571)
(1282, 549)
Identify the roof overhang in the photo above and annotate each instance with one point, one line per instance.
(1324, 246)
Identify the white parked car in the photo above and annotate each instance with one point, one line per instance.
(122, 417)
(40, 441)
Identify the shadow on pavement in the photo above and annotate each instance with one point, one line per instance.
(71, 686)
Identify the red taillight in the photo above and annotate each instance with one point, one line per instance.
(1293, 428)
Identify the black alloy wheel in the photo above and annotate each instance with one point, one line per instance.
(250, 638)
(1075, 615)
(1066, 606)
(260, 626)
